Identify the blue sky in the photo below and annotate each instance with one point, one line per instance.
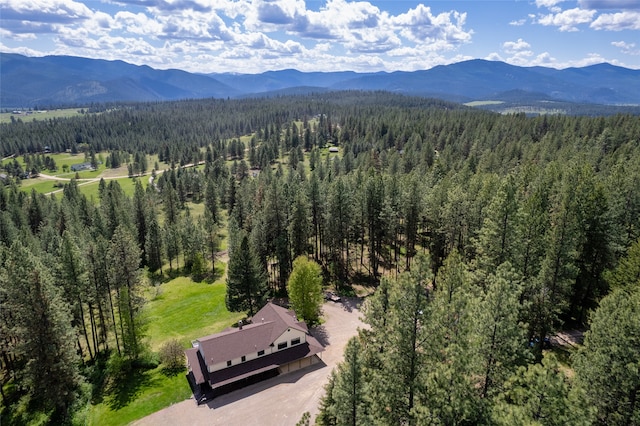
(250, 36)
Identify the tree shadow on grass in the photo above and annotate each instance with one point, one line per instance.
(172, 372)
(121, 391)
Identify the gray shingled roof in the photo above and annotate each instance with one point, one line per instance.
(268, 324)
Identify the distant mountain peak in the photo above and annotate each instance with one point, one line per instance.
(27, 81)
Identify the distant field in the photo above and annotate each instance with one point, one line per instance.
(25, 116)
(533, 110)
(483, 103)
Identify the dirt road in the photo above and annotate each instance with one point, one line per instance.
(279, 401)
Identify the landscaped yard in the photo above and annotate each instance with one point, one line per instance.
(179, 309)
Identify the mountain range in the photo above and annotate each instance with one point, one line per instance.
(27, 82)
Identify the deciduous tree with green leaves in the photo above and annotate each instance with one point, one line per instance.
(305, 289)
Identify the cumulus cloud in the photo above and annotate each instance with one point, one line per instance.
(515, 46)
(567, 20)
(609, 4)
(626, 20)
(548, 3)
(137, 23)
(519, 52)
(41, 16)
(626, 48)
(422, 26)
(338, 34)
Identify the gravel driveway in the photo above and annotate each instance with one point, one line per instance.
(278, 401)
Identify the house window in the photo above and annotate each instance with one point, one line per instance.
(260, 353)
(243, 359)
(282, 345)
(295, 341)
(228, 363)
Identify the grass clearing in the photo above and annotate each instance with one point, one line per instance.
(179, 309)
(40, 185)
(144, 393)
(185, 310)
(26, 116)
(483, 103)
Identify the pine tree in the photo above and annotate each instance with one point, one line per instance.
(246, 282)
(497, 238)
(327, 408)
(608, 365)
(450, 392)
(502, 342)
(540, 394)
(349, 391)
(153, 242)
(140, 217)
(396, 387)
(125, 277)
(299, 226)
(41, 324)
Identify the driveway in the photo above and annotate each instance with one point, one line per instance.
(278, 401)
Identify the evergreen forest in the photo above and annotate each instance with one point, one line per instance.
(478, 237)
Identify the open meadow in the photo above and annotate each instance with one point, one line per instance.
(6, 117)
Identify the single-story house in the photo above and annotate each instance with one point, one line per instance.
(274, 343)
(81, 166)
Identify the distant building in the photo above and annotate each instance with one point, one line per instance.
(81, 167)
(333, 149)
(274, 343)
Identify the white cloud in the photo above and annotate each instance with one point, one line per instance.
(548, 3)
(626, 48)
(420, 25)
(567, 20)
(609, 4)
(494, 56)
(515, 46)
(627, 20)
(519, 52)
(41, 16)
(137, 23)
(518, 23)
(19, 50)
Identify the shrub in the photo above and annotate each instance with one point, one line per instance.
(172, 355)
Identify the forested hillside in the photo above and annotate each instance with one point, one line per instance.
(481, 234)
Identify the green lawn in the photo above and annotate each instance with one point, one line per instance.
(179, 309)
(186, 310)
(127, 184)
(41, 186)
(145, 393)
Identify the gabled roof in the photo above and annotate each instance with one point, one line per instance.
(239, 371)
(269, 323)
